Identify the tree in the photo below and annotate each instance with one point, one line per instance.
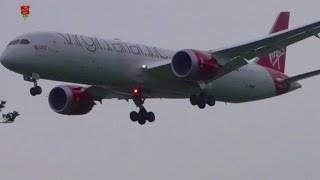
(2, 105)
(9, 117)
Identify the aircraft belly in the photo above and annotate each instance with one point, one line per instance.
(250, 84)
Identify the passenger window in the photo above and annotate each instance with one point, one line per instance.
(14, 42)
(24, 41)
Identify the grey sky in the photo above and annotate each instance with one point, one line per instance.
(274, 139)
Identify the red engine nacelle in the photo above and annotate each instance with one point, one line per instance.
(194, 65)
(70, 100)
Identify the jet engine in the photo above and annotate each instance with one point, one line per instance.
(70, 100)
(196, 65)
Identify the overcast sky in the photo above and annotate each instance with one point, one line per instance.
(276, 139)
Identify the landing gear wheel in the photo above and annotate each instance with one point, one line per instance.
(150, 116)
(143, 115)
(201, 104)
(142, 121)
(134, 116)
(202, 100)
(194, 100)
(38, 90)
(211, 101)
(33, 91)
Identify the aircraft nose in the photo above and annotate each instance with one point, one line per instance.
(10, 60)
(5, 60)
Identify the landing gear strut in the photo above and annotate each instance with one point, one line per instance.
(202, 100)
(143, 115)
(35, 90)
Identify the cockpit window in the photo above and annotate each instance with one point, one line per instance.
(24, 41)
(14, 42)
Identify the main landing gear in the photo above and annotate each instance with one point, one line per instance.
(143, 115)
(201, 100)
(35, 90)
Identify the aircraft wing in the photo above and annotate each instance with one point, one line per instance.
(234, 57)
(268, 44)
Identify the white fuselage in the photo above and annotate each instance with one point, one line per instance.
(118, 66)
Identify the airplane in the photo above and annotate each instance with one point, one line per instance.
(114, 69)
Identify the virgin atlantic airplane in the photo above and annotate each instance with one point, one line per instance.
(116, 69)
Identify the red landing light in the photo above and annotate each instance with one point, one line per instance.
(136, 92)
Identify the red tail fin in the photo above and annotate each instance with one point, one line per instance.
(277, 59)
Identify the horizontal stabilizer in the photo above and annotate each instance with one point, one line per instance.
(301, 76)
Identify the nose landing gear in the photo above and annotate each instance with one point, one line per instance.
(36, 90)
